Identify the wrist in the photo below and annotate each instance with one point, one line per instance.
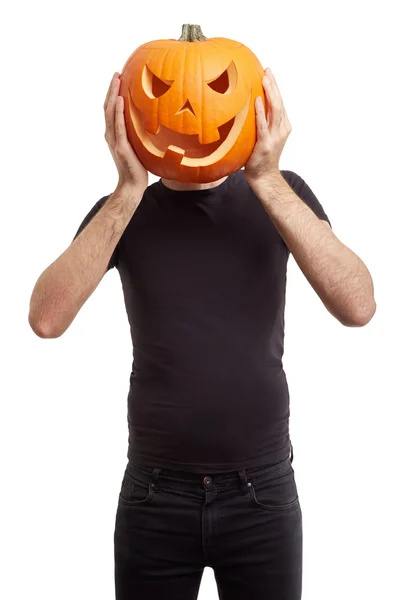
(130, 192)
(265, 181)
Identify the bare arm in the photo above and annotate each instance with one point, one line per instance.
(66, 284)
(336, 273)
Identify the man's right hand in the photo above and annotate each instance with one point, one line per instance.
(131, 172)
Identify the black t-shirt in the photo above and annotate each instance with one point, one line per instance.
(204, 275)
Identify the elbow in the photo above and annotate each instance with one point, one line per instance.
(360, 318)
(43, 329)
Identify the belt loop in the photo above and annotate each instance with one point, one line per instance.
(154, 481)
(243, 480)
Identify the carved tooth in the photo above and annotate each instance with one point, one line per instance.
(173, 156)
(151, 125)
(208, 137)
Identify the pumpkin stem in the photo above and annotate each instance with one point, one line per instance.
(192, 33)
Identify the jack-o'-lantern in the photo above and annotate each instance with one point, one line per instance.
(189, 105)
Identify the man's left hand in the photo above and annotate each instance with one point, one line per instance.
(271, 134)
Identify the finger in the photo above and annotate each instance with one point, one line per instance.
(268, 100)
(120, 129)
(277, 94)
(109, 90)
(261, 120)
(285, 120)
(271, 89)
(110, 112)
(274, 102)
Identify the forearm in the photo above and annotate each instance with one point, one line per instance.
(336, 273)
(66, 284)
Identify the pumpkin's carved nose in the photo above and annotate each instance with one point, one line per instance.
(186, 106)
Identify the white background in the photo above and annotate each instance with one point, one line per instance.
(63, 402)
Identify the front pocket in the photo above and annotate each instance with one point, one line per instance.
(276, 494)
(134, 491)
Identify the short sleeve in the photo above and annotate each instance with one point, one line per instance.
(93, 211)
(304, 192)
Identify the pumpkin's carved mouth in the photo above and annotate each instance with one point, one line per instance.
(186, 149)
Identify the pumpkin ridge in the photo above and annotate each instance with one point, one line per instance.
(202, 92)
(183, 78)
(161, 71)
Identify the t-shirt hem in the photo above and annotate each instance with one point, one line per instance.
(265, 459)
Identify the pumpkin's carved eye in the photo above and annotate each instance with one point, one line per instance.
(153, 85)
(226, 82)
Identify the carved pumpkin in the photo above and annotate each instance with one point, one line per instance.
(189, 105)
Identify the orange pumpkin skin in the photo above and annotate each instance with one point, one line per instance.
(189, 107)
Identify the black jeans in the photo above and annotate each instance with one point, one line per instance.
(246, 525)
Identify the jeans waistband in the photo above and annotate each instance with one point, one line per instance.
(158, 476)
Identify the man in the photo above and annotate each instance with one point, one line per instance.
(209, 481)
